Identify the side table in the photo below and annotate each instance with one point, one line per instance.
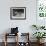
(8, 34)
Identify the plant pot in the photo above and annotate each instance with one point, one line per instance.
(40, 41)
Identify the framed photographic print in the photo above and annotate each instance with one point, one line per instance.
(18, 13)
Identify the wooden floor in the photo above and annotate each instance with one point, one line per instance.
(13, 44)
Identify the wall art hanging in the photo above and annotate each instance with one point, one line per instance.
(18, 13)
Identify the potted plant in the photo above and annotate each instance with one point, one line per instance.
(39, 35)
(38, 27)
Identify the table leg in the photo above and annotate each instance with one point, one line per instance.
(5, 40)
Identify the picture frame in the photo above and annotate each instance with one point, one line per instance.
(18, 13)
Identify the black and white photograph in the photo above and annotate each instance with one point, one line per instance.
(18, 13)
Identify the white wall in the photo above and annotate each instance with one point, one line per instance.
(24, 25)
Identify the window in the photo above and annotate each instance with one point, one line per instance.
(41, 8)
